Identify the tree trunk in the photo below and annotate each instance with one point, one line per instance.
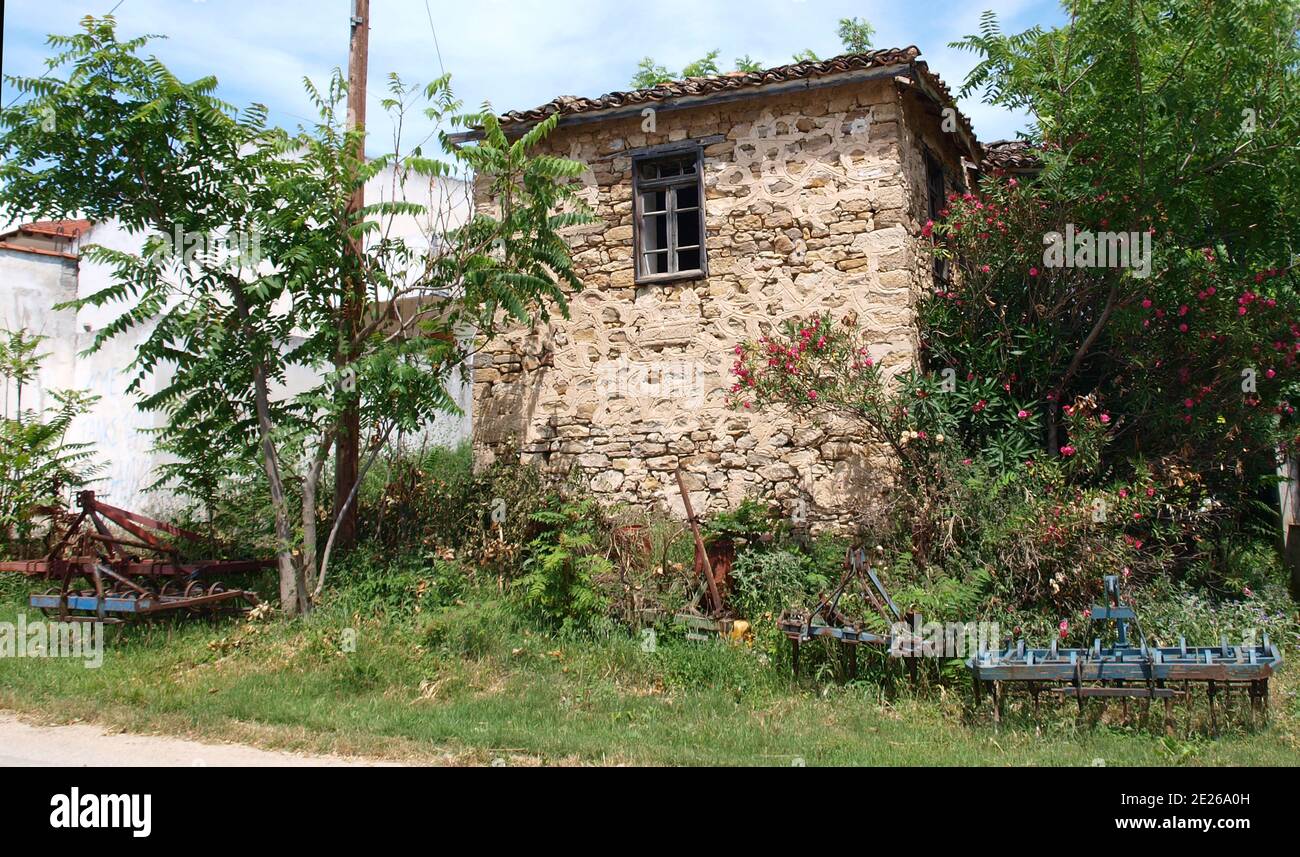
(293, 592)
(347, 504)
(310, 483)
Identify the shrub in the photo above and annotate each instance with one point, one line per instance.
(562, 580)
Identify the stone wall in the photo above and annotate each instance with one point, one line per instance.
(811, 205)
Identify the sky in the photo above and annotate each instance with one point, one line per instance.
(515, 54)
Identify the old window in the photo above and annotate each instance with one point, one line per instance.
(935, 185)
(669, 193)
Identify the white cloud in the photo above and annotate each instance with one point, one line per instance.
(516, 53)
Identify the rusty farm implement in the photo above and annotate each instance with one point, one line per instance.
(101, 574)
(828, 621)
(1124, 669)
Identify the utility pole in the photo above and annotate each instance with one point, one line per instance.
(347, 449)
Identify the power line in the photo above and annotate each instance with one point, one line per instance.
(434, 30)
(110, 12)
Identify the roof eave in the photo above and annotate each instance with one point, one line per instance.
(684, 102)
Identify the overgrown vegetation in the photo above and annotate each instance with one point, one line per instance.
(1062, 424)
(254, 254)
(427, 652)
(38, 464)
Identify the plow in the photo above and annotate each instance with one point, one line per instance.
(101, 574)
(827, 621)
(1126, 669)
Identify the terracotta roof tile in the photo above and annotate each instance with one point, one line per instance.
(570, 105)
(57, 228)
(1010, 155)
(36, 251)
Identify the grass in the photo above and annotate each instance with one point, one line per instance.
(471, 683)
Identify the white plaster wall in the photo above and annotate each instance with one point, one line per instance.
(30, 286)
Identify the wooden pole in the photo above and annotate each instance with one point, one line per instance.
(347, 451)
(714, 596)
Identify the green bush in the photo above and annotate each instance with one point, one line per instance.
(562, 584)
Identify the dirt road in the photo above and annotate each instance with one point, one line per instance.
(25, 745)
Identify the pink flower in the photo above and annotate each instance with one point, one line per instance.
(1064, 628)
(1022, 415)
(928, 229)
(812, 394)
(1151, 492)
(985, 269)
(1067, 451)
(1033, 272)
(1245, 590)
(1105, 419)
(1146, 303)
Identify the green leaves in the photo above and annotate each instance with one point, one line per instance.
(37, 463)
(561, 584)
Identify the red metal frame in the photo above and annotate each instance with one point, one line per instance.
(137, 571)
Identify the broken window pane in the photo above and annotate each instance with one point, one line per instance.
(656, 263)
(670, 217)
(654, 202)
(688, 229)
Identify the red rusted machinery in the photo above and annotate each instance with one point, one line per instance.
(102, 575)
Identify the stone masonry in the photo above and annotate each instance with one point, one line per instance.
(814, 201)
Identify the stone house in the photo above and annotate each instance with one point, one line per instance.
(724, 205)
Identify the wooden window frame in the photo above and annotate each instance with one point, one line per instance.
(670, 184)
(934, 163)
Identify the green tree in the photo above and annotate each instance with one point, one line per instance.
(705, 66)
(1174, 119)
(19, 362)
(855, 34)
(745, 63)
(649, 74)
(37, 463)
(225, 330)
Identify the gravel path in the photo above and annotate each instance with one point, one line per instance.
(81, 745)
